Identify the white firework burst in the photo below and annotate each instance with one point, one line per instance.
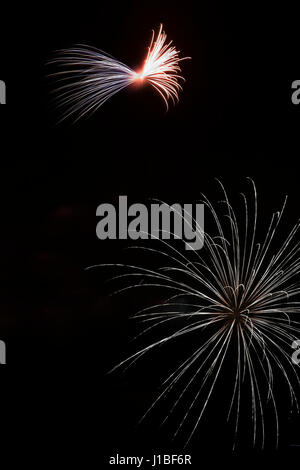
(237, 294)
(89, 77)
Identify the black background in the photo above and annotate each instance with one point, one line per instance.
(62, 329)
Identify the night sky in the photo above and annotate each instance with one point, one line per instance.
(62, 328)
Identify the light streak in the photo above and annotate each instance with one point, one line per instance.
(89, 77)
(237, 294)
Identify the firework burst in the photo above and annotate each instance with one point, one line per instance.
(89, 77)
(237, 294)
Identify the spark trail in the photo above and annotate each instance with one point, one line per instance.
(89, 77)
(237, 294)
